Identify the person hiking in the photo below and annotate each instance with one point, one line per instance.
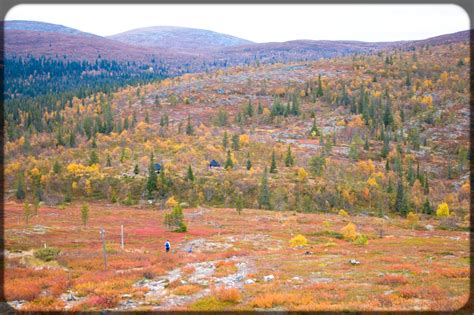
(167, 245)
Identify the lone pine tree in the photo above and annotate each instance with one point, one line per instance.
(273, 167)
(151, 183)
(264, 196)
(289, 160)
(229, 164)
(189, 127)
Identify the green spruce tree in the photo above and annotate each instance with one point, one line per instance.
(264, 196)
(189, 127)
(225, 141)
(151, 183)
(273, 167)
(249, 163)
(190, 174)
(289, 160)
(229, 164)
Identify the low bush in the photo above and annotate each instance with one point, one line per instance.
(182, 228)
(413, 219)
(421, 292)
(273, 299)
(47, 254)
(17, 290)
(44, 304)
(361, 239)
(225, 268)
(442, 211)
(187, 289)
(209, 303)
(454, 272)
(349, 232)
(23, 284)
(187, 270)
(392, 279)
(343, 213)
(230, 295)
(100, 302)
(298, 240)
(148, 275)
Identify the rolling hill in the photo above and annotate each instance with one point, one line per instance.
(154, 52)
(179, 38)
(23, 38)
(188, 47)
(298, 50)
(22, 25)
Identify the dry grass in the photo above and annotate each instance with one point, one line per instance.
(44, 304)
(273, 299)
(405, 266)
(392, 279)
(225, 268)
(230, 295)
(454, 272)
(422, 292)
(188, 270)
(188, 289)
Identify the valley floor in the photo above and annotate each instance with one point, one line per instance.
(228, 261)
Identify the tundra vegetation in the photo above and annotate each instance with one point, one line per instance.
(362, 157)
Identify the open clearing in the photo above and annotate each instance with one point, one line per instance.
(238, 262)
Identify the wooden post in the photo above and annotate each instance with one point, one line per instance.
(102, 234)
(121, 235)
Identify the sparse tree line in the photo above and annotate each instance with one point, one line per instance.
(387, 121)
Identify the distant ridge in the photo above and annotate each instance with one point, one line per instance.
(24, 38)
(179, 38)
(186, 49)
(21, 25)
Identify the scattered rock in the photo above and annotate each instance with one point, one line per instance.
(39, 229)
(17, 304)
(128, 304)
(268, 278)
(429, 227)
(249, 281)
(71, 297)
(321, 280)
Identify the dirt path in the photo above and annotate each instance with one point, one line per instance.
(202, 275)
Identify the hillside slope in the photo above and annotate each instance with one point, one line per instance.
(316, 49)
(23, 25)
(179, 38)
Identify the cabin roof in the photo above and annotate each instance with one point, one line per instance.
(214, 163)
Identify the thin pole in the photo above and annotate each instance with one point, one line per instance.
(102, 234)
(121, 234)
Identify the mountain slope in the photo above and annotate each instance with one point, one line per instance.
(179, 38)
(22, 25)
(444, 39)
(187, 46)
(74, 46)
(316, 49)
(23, 38)
(294, 50)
